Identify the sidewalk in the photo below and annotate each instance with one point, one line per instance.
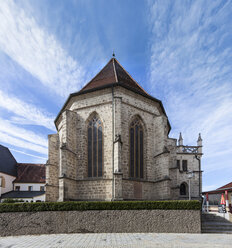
(103, 240)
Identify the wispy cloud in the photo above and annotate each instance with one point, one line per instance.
(30, 155)
(190, 71)
(38, 51)
(26, 113)
(21, 133)
(6, 138)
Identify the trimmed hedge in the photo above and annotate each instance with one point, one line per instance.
(10, 200)
(85, 206)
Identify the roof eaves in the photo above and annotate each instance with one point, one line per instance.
(109, 86)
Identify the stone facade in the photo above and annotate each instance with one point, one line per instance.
(117, 106)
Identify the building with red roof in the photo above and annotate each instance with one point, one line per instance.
(22, 181)
(214, 196)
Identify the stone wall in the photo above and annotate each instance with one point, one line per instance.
(68, 162)
(106, 221)
(52, 168)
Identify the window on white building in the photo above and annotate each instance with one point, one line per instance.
(29, 188)
(41, 188)
(17, 188)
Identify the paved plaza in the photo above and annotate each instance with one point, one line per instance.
(105, 240)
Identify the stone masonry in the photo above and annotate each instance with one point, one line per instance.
(117, 104)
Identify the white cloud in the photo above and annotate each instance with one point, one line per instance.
(4, 137)
(26, 113)
(21, 133)
(30, 155)
(37, 51)
(191, 73)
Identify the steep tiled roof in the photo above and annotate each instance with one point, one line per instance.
(22, 194)
(30, 173)
(112, 75)
(113, 72)
(7, 161)
(222, 189)
(228, 185)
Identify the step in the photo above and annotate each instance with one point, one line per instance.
(211, 217)
(214, 223)
(216, 231)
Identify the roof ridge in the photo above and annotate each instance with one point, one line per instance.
(131, 77)
(115, 72)
(96, 75)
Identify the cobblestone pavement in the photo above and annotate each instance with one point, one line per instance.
(126, 240)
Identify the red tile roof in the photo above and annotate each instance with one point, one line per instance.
(228, 185)
(30, 173)
(113, 72)
(222, 189)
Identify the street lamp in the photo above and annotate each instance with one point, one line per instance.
(190, 176)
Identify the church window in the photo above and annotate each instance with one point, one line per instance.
(178, 164)
(95, 147)
(183, 189)
(136, 149)
(185, 165)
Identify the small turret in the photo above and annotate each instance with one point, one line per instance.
(199, 143)
(180, 140)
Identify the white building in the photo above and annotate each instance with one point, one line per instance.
(21, 181)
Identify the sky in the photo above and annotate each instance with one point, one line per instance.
(179, 51)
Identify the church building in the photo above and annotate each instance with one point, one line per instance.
(112, 143)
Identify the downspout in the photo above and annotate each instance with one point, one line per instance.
(113, 132)
(113, 181)
(199, 164)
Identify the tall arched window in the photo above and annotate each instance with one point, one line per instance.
(183, 189)
(95, 147)
(136, 149)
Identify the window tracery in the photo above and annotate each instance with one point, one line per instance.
(136, 149)
(95, 147)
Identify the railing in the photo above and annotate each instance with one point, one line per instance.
(187, 149)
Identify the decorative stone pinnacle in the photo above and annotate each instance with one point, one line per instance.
(180, 140)
(199, 137)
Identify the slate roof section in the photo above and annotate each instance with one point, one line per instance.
(7, 162)
(30, 173)
(113, 72)
(22, 194)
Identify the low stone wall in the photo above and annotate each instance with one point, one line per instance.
(104, 221)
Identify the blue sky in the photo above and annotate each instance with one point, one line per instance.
(179, 51)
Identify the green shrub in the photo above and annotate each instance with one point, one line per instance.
(85, 206)
(10, 200)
